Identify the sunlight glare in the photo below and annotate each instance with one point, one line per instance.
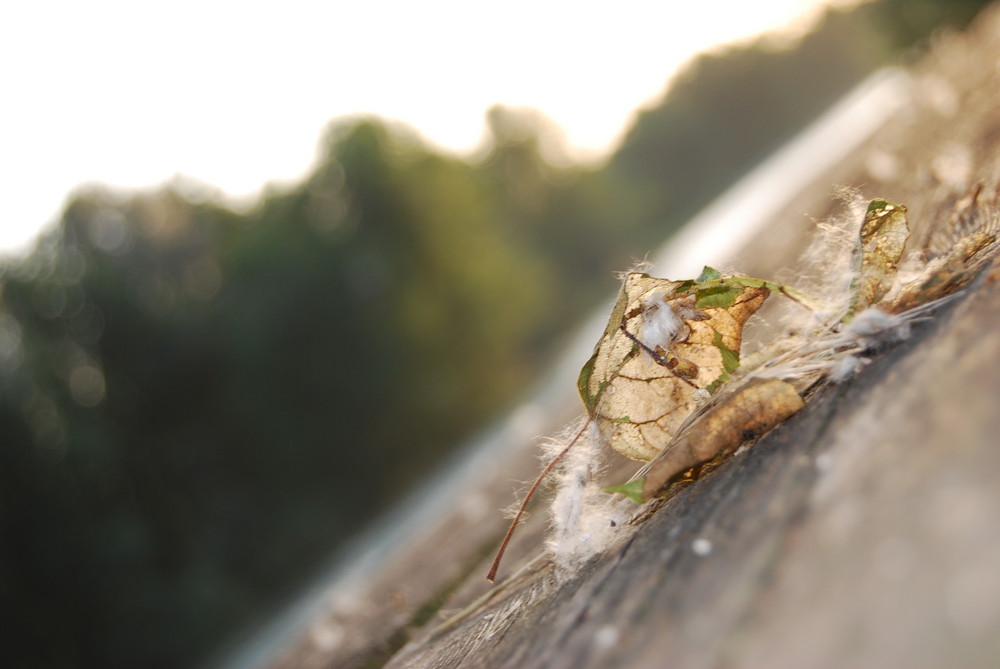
(236, 95)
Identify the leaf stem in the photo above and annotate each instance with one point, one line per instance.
(491, 576)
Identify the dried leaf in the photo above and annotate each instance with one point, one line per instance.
(667, 344)
(945, 275)
(884, 232)
(749, 412)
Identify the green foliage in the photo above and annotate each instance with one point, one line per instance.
(717, 296)
(632, 490)
(730, 358)
(909, 24)
(708, 274)
(583, 385)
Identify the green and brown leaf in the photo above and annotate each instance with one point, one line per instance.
(639, 389)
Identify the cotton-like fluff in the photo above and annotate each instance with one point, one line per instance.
(839, 352)
(869, 330)
(846, 366)
(873, 328)
(585, 520)
(661, 325)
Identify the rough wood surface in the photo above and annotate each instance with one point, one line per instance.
(862, 533)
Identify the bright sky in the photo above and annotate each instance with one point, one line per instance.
(236, 93)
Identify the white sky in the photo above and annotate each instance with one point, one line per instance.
(236, 94)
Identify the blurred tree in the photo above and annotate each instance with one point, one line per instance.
(907, 25)
(722, 115)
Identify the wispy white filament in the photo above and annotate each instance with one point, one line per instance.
(660, 323)
(585, 520)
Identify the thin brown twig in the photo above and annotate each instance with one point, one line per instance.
(524, 504)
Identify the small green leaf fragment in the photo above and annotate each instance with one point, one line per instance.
(684, 287)
(750, 282)
(623, 419)
(583, 385)
(715, 385)
(721, 296)
(708, 274)
(632, 490)
(730, 362)
(730, 358)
